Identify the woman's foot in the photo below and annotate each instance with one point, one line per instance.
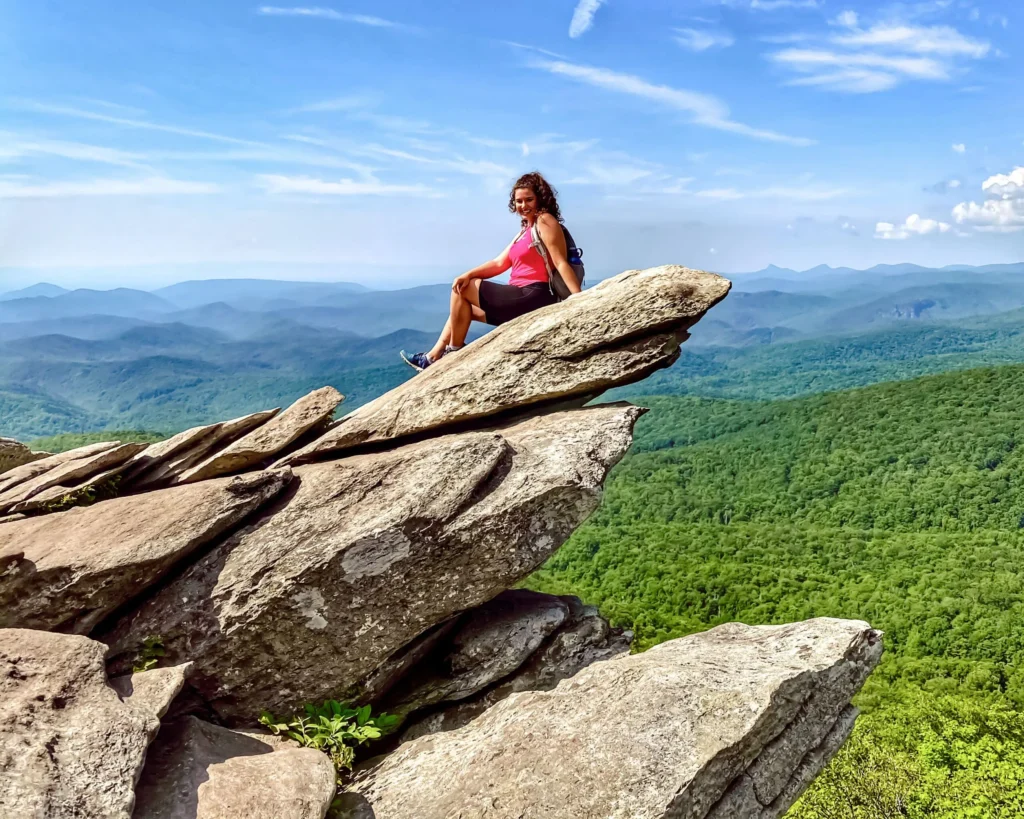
(418, 361)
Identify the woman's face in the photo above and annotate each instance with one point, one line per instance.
(526, 203)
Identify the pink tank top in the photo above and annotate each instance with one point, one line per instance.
(527, 263)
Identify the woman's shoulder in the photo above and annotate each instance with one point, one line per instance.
(547, 220)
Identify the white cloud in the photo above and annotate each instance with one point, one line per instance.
(799, 194)
(1003, 211)
(78, 113)
(914, 225)
(775, 5)
(712, 251)
(276, 183)
(695, 40)
(805, 59)
(954, 183)
(153, 186)
(939, 40)
(351, 103)
(1005, 185)
(723, 194)
(583, 17)
(18, 147)
(879, 58)
(328, 14)
(959, 147)
(705, 110)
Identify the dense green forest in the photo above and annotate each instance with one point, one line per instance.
(899, 504)
(827, 363)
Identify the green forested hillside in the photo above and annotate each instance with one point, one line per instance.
(841, 362)
(900, 504)
(72, 440)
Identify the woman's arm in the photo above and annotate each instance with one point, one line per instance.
(488, 270)
(554, 241)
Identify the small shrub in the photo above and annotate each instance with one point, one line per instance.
(334, 728)
(149, 655)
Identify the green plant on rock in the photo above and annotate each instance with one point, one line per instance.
(149, 655)
(335, 728)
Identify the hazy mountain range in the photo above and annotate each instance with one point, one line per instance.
(74, 360)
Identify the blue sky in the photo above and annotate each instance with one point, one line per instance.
(142, 143)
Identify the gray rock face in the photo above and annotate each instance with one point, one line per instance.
(308, 413)
(164, 463)
(667, 733)
(195, 770)
(14, 453)
(68, 570)
(69, 745)
(492, 642)
(372, 551)
(584, 639)
(32, 470)
(615, 333)
(66, 478)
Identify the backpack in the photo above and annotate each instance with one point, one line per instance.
(573, 254)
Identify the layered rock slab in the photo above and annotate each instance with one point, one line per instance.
(615, 333)
(69, 570)
(666, 733)
(32, 470)
(69, 744)
(163, 463)
(584, 639)
(309, 413)
(195, 770)
(491, 643)
(14, 453)
(371, 551)
(68, 477)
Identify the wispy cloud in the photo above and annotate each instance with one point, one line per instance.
(350, 103)
(328, 14)
(775, 5)
(697, 40)
(940, 40)
(154, 186)
(79, 113)
(278, 184)
(15, 147)
(704, 109)
(583, 17)
(959, 147)
(879, 58)
(790, 193)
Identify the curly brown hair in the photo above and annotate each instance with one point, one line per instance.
(547, 196)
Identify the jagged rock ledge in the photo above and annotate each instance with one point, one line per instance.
(378, 566)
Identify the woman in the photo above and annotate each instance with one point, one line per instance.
(473, 298)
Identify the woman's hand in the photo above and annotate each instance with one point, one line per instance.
(461, 283)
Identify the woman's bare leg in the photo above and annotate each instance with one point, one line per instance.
(462, 310)
(477, 314)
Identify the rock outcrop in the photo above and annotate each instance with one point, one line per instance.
(308, 414)
(615, 333)
(69, 570)
(164, 464)
(196, 770)
(583, 639)
(379, 569)
(69, 744)
(71, 476)
(371, 551)
(14, 453)
(668, 733)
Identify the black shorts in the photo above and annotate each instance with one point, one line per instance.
(504, 302)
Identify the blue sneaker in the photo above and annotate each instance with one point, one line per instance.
(418, 361)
